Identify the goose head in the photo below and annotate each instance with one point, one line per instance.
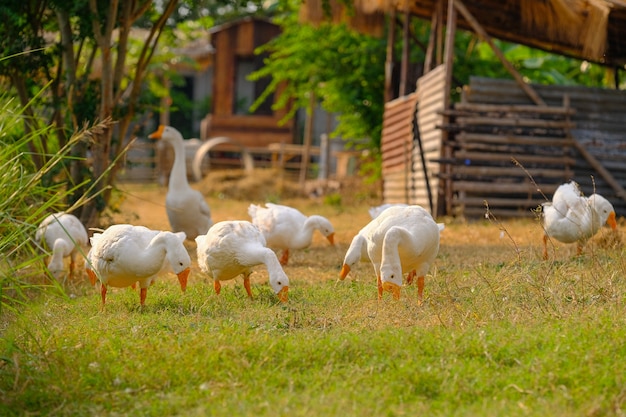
(280, 286)
(391, 278)
(324, 226)
(603, 210)
(177, 256)
(355, 253)
(167, 133)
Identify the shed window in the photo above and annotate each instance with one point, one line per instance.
(246, 91)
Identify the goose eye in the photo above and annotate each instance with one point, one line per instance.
(280, 283)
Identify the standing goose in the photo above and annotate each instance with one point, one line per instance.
(66, 236)
(232, 248)
(186, 208)
(124, 254)
(286, 228)
(572, 217)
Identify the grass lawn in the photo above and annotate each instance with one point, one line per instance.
(501, 332)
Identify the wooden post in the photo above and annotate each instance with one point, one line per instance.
(432, 38)
(308, 134)
(391, 39)
(445, 194)
(404, 69)
(439, 50)
(509, 67)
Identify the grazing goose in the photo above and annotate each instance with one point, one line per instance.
(375, 211)
(402, 239)
(124, 254)
(286, 228)
(186, 208)
(232, 248)
(66, 236)
(572, 217)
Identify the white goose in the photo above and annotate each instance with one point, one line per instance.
(572, 217)
(400, 240)
(124, 254)
(232, 248)
(66, 236)
(375, 211)
(186, 208)
(286, 228)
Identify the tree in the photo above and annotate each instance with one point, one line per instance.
(82, 49)
(342, 68)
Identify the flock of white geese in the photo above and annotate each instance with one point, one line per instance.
(400, 239)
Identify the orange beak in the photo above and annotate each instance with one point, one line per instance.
(182, 278)
(611, 221)
(392, 288)
(283, 295)
(345, 269)
(331, 238)
(158, 133)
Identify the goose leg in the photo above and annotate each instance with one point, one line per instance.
(410, 277)
(420, 289)
(545, 247)
(217, 286)
(142, 296)
(285, 258)
(579, 248)
(103, 292)
(246, 284)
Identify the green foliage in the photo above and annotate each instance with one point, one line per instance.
(475, 57)
(343, 69)
(25, 200)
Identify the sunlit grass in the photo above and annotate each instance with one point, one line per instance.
(500, 332)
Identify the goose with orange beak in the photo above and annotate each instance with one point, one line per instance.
(124, 254)
(187, 210)
(232, 248)
(572, 217)
(399, 241)
(286, 228)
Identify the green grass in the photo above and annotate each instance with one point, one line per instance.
(500, 333)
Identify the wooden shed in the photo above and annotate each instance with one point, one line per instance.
(506, 144)
(234, 60)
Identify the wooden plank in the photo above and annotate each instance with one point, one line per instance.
(499, 201)
(495, 121)
(512, 108)
(486, 188)
(465, 137)
(512, 171)
(482, 156)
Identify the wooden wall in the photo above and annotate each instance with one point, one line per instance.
(426, 190)
(410, 160)
(234, 41)
(396, 147)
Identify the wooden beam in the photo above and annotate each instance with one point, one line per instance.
(432, 39)
(458, 4)
(404, 69)
(445, 192)
(610, 179)
(391, 39)
(439, 50)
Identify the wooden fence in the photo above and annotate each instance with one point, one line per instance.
(496, 148)
(577, 136)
